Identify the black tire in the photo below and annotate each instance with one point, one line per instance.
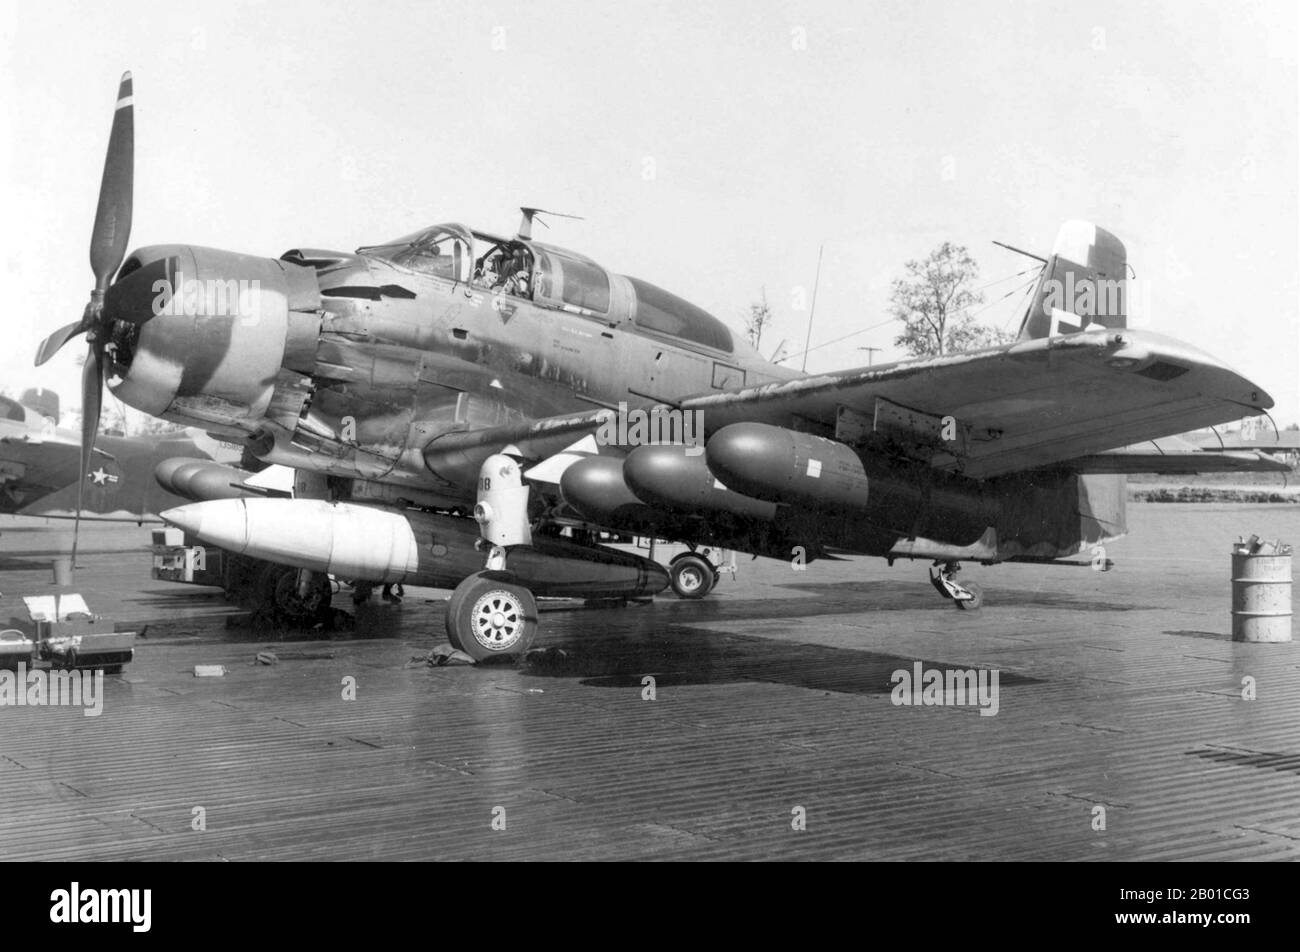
(453, 610)
(489, 617)
(692, 576)
(278, 588)
(971, 604)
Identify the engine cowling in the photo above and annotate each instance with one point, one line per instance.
(221, 326)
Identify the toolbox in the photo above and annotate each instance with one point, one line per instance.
(69, 635)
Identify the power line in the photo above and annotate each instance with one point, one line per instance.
(1015, 290)
(1029, 290)
(845, 337)
(1035, 269)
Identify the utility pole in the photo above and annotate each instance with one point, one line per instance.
(871, 352)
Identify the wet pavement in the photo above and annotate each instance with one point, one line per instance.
(769, 729)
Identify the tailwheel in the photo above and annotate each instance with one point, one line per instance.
(490, 616)
(692, 576)
(967, 596)
(975, 602)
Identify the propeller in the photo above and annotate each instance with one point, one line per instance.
(108, 242)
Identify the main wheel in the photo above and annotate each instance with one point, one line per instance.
(692, 576)
(490, 617)
(279, 591)
(971, 604)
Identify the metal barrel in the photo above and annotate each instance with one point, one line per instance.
(1261, 597)
(63, 572)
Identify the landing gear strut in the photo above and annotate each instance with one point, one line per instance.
(968, 597)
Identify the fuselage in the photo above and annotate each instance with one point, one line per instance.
(356, 361)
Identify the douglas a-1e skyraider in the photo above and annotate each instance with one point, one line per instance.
(438, 396)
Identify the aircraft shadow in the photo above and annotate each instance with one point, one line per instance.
(993, 597)
(678, 655)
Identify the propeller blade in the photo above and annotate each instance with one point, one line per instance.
(52, 344)
(92, 395)
(113, 216)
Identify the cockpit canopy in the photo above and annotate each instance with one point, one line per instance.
(552, 277)
(566, 279)
(665, 313)
(444, 251)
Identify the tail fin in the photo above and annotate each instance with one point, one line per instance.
(1083, 285)
(45, 402)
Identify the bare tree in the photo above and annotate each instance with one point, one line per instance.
(760, 315)
(933, 300)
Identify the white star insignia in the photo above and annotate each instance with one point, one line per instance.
(101, 477)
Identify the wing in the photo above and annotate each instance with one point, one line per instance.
(1022, 406)
(34, 465)
(456, 457)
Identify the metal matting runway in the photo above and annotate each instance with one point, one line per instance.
(1120, 690)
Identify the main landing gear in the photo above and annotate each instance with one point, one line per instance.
(691, 575)
(294, 596)
(968, 597)
(490, 616)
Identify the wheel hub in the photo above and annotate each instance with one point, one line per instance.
(497, 621)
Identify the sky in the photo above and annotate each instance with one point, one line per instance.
(715, 149)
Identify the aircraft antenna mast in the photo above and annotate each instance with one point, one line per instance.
(1020, 251)
(526, 222)
(812, 310)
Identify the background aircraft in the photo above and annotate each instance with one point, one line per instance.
(452, 372)
(40, 466)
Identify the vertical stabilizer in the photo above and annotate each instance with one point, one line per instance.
(1084, 284)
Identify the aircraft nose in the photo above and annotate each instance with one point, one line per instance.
(217, 327)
